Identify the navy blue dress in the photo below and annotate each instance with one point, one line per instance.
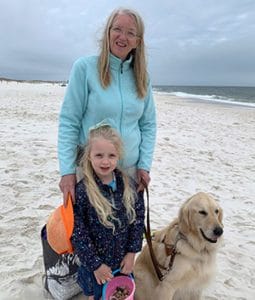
(94, 243)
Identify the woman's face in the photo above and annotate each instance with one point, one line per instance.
(123, 36)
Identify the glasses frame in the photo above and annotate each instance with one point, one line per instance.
(128, 33)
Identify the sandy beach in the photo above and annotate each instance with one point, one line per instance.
(200, 147)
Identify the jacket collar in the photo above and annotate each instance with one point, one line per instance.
(119, 181)
(117, 64)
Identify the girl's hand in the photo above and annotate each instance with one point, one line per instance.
(103, 274)
(127, 263)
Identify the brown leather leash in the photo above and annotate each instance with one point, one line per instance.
(149, 242)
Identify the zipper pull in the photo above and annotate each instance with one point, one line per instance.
(121, 68)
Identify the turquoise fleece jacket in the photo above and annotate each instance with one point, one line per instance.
(87, 103)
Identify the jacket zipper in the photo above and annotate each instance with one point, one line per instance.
(120, 87)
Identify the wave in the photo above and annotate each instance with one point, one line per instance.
(209, 98)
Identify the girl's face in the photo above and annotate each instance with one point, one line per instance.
(123, 36)
(104, 158)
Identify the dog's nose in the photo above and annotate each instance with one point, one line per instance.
(218, 231)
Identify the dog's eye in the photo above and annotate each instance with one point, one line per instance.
(203, 212)
(216, 211)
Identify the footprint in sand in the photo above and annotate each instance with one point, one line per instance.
(39, 161)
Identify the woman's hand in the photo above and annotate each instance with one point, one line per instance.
(67, 185)
(143, 178)
(127, 263)
(103, 274)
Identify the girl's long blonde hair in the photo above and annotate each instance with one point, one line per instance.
(101, 204)
(139, 61)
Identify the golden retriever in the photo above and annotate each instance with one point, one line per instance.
(196, 235)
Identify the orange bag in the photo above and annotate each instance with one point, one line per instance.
(60, 228)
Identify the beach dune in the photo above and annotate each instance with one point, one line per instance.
(200, 147)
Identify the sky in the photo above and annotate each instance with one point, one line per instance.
(188, 42)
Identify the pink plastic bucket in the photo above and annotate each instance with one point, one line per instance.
(119, 281)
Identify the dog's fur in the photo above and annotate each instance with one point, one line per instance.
(196, 233)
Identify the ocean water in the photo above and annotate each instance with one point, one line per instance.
(244, 96)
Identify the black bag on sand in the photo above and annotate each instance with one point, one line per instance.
(60, 278)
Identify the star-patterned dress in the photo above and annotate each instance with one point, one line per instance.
(96, 244)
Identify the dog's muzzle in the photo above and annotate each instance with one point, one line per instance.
(217, 232)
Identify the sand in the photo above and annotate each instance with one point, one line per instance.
(200, 147)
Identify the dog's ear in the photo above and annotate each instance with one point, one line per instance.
(184, 218)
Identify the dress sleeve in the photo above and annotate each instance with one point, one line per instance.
(81, 241)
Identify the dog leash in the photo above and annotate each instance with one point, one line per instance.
(149, 242)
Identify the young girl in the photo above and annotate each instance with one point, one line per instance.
(109, 213)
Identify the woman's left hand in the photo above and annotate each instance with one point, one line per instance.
(127, 263)
(143, 178)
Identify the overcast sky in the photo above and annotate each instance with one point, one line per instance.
(189, 42)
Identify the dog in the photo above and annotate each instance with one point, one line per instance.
(195, 235)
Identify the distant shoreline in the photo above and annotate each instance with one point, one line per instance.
(186, 97)
(154, 85)
(32, 81)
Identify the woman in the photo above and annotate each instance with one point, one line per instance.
(112, 85)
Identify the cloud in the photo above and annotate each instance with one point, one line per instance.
(212, 46)
(188, 41)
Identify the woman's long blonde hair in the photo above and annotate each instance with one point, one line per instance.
(139, 61)
(101, 204)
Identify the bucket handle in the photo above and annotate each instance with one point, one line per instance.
(119, 271)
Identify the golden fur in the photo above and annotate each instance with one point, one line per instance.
(197, 233)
